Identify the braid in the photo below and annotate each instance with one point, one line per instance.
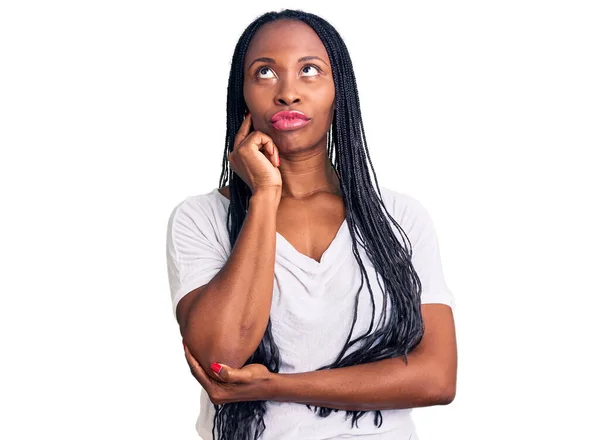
(369, 223)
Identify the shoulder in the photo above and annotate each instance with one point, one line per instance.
(197, 210)
(412, 215)
(402, 206)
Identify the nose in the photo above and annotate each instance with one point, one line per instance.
(287, 93)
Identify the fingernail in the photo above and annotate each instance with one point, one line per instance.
(215, 367)
(278, 161)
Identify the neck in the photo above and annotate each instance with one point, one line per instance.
(303, 176)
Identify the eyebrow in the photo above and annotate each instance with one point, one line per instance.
(300, 60)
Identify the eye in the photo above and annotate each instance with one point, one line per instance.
(306, 69)
(260, 70)
(311, 66)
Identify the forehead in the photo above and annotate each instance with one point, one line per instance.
(285, 40)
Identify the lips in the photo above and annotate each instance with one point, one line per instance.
(289, 115)
(289, 120)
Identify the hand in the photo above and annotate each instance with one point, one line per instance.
(255, 158)
(238, 384)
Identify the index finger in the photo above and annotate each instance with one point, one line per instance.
(197, 370)
(243, 131)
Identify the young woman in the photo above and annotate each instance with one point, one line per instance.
(307, 297)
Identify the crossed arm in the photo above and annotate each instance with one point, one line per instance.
(428, 379)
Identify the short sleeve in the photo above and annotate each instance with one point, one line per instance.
(194, 256)
(426, 256)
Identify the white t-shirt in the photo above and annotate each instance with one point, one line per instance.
(312, 306)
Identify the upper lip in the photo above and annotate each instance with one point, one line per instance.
(293, 114)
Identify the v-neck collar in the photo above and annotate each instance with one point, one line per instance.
(287, 251)
(290, 253)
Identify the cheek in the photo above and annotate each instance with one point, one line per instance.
(249, 98)
(254, 97)
(326, 100)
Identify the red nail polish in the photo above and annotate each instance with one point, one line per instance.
(215, 367)
(278, 160)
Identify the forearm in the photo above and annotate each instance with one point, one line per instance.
(385, 384)
(227, 321)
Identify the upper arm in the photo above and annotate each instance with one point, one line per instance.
(194, 257)
(438, 344)
(182, 308)
(426, 258)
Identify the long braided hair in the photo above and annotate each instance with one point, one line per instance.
(366, 218)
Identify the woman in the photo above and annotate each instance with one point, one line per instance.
(304, 295)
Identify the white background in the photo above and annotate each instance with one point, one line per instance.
(113, 112)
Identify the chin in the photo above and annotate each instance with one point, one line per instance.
(295, 140)
(288, 146)
(288, 138)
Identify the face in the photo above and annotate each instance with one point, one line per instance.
(288, 82)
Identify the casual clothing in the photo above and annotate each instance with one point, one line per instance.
(312, 307)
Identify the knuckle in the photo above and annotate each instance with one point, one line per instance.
(215, 398)
(259, 134)
(244, 150)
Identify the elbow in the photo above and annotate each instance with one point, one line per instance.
(446, 396)
(444, 389)
(216, 349)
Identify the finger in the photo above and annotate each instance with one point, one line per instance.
(276, 160)
(272, 152)
(195, 368)
(219, 370)
(243, 131)
(265, 144)
(191, 359)
(234, 375)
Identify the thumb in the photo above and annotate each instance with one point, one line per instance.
(231, 375)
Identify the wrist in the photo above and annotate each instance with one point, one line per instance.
(268, 194)
(268, 387)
